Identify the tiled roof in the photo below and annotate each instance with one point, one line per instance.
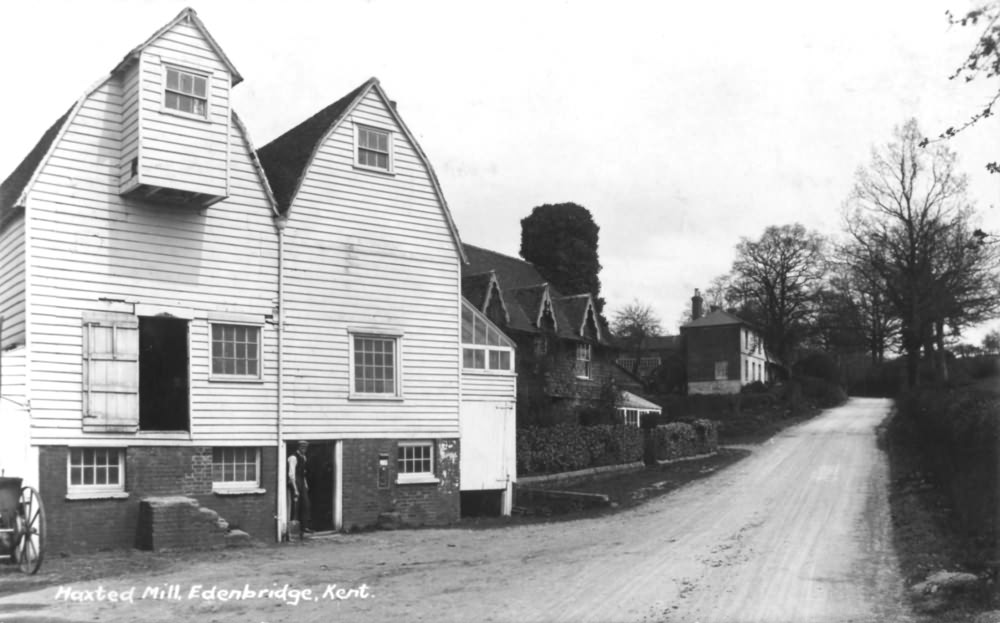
(662, 342)
(13, 186)
(524, 290)
(716, 318)
(512, 272)
(285, 158)
(476, 287)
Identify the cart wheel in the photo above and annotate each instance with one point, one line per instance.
(30, 531)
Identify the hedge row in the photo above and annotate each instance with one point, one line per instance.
(958, 433)
(567, 447)
(681, 439)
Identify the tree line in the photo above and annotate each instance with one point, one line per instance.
(909, 272)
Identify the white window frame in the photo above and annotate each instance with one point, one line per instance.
(390, 152)
(84, 491)
(236, 486)
(583, 361)
(486, 349)
(198, 73)
(397, 340)
(222, 376)
(721, 370)
(425, 477)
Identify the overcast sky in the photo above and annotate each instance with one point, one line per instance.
(682, 127)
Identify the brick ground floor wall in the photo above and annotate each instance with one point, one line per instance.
(365, 499)
(101, 524)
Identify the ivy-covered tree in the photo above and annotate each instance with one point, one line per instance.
(561, 241)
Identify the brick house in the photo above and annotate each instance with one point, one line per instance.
(171, 318)
(723, 353)
(565, 357)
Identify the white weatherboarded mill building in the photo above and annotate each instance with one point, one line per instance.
(171, 323)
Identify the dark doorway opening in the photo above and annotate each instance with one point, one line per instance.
(321, 476)
(487, 503)
(163, 374)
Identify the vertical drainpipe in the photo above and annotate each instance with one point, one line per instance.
(279, 224)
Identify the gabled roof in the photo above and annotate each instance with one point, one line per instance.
(479, 289)
(16, 185)
(576, 309)
(17, 181)
(525, 292)
(287, 158)
(189, 15)
(717, 318)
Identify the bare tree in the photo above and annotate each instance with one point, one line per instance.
(633, 324)
(777, 278)
(908, 222)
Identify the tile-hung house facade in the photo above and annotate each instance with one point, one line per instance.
(723, 352)
(565, 362)
(370, 292)
(138, 272)
(170, 326)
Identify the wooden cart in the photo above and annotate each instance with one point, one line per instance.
(22, 525)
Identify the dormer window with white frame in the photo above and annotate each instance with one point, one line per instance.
(373, 148)
(185, 91)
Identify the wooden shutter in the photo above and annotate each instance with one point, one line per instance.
(110, 372)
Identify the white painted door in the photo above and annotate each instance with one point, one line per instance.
(487, 451)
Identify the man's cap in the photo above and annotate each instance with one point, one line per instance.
(303, 443)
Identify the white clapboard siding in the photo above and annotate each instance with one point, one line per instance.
(480, 386)
(164, 159)
(87, 243)
(364, 251)
(12, 283)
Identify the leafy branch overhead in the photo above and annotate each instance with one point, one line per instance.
(983, 62)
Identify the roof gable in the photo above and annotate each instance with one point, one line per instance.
(287, 159)
(481, 289)
(190, 16)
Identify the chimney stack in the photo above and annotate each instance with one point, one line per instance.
(696, 302)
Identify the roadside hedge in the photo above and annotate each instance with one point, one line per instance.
(957, 431)
(681, 439)
(568, 447)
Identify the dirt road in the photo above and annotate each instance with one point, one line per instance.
(796, 533)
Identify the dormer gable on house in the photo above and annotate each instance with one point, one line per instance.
(484, 293)
(175, 116)
(582, 315)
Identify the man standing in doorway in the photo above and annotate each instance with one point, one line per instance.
(298, 487)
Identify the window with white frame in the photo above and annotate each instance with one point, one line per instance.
(484, 347)
(236, 351)
(415, 461)
(374, 149)
(186, 92)
(631, 417)
(375, 365)
(95, 471)
(581, 366)
(721, 370)
(235, 468)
